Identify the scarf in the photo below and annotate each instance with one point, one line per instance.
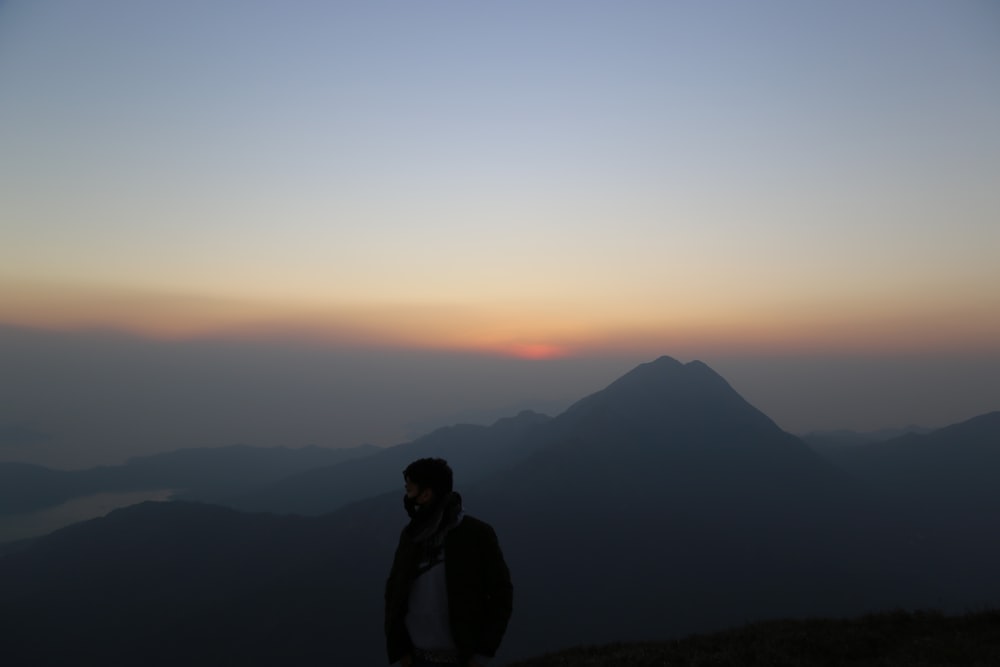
(430, 526)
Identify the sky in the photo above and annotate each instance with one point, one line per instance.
(514, 201)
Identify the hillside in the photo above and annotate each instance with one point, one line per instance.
(897, 639)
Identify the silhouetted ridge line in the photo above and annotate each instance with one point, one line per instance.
(676, 400)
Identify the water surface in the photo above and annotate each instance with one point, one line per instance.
(41, 522)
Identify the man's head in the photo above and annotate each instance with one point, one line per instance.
(427, 480)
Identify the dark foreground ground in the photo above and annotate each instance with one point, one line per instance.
(898, 639)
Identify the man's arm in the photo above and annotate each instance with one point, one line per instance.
(499, 593)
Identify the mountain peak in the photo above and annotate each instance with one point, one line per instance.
(668, 392)
(663, 361)
(666, 373)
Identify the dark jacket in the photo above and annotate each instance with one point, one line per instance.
(480, 595)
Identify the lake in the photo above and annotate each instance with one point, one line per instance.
(41, 522)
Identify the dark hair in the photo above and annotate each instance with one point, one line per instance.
(430, 474)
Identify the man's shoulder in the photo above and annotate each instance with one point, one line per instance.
(470, 527)
(474, 523)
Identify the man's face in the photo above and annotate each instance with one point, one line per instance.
(418, 495)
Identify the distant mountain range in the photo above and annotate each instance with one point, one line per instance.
(472, 451)
(661, 505)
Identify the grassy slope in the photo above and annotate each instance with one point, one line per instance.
(898, 639)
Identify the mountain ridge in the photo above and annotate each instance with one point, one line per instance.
(471, 449)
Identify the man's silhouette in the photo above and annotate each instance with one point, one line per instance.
(449, 596)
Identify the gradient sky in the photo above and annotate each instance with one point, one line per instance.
(565, 179)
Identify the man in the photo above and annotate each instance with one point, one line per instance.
(448, 597)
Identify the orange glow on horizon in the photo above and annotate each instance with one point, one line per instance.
(523, 332)
(536, 351)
